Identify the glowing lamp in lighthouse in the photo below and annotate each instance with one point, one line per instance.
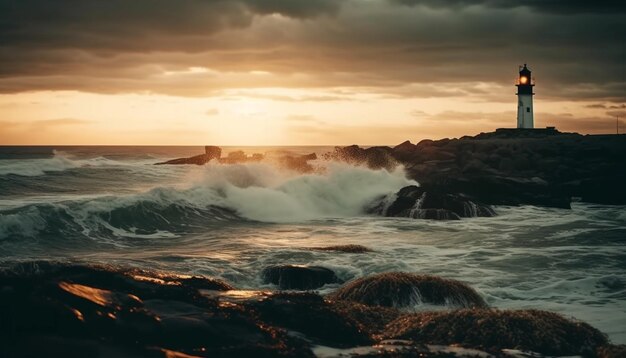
(525, 117)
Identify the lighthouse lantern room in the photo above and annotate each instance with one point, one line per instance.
(525, 95)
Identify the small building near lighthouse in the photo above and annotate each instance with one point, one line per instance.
(525, 84)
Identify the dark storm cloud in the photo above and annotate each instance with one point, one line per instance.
(136, 24)
(575, 48)
(551, 6)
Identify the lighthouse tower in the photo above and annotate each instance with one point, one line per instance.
(525, 99)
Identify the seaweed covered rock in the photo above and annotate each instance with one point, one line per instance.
(416, 202)
(372, 319)
(294, 277)
(612, 351)
(399, 289)
(353, 249)
(537, 331)
(309, 314)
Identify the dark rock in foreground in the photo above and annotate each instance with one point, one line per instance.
(399, 289)
(537, 331)
(292, 277)
(353, 249)
(59, 310)
(415, 202)
(310, 314)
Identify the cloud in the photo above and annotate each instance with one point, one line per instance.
(212, 112)
(427, 49)
(549, 6)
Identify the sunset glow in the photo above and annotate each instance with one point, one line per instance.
(328, 72)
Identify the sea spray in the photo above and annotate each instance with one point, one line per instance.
(258, 192)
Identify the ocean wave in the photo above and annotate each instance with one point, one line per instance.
(57, 163)
(216, 192)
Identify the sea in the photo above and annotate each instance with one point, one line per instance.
(112, 205)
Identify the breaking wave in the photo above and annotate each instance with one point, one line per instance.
(57, 163)
(256, 192)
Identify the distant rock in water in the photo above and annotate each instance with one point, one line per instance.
(292, 277)
(354, 249)
(416, 202)
(399, 289)
(299, 163)
(533, 330)
(374, 157)
(210, 152)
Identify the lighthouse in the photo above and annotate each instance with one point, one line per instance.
(525, 95)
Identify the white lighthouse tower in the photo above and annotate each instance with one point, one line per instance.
(525, 95)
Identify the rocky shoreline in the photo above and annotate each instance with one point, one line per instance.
(71, 310)
(510, 167)
(465, 177)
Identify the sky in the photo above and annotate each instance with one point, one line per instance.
(303, 72)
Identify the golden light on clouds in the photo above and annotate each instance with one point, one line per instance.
(300, 72)
(265, 116)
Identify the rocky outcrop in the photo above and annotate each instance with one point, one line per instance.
(510, 167)
(298, 163)
(292, 277)
(210, 152)
(531, 330)
(399, 289)
(373, 157)
(415, 202)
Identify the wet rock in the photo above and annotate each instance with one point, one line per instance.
(419, 203)
(494, 330)
(372, 319)
(47, 304)
(399, 289)
(293, 277)
(298, 163)
(210, 152)
(353, 249)
(373, 157)
(612, 351)
(499, 168)
(311, 315)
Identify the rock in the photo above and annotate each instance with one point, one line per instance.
(210, 152)
(213, 152)
(373, 157)
(292, 277)
(354, 249)
(538, 331)
(416, 202)
(612, 351)
(372, 319)
(496, 168)
(399, 289)
(310, 314)
(197, 160)
(54, 309)
(297, 163)
(58, 310)
(404, 150)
